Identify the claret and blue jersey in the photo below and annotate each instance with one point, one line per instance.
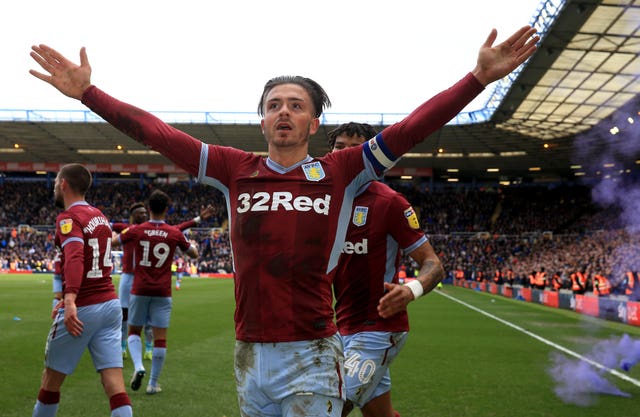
(287, 227)
(287, 224)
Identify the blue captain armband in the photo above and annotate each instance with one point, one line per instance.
(378, 154)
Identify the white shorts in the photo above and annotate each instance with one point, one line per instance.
(275, 379)
(57, 283)
(368, 356)
(124, 289)
(102, 334)
(148, 310)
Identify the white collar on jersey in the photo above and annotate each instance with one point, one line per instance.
(283, 170)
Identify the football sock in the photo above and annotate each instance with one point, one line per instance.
(120, 405)
(135, 349)
(47, 404)
(159, 354)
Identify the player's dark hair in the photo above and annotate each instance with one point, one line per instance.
(77, 177)
(136, 206)
(158, 202)
(351, 129)
(319, 97)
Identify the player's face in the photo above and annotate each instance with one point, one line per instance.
(289, 116)
(139, 215)
(344, 142)
(57, 193)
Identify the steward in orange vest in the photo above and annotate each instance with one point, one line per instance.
(540, 279)
(556, 282)
(601, 285)
(497, 277)
(578, 282)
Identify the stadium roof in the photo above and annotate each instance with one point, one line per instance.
(582, 82)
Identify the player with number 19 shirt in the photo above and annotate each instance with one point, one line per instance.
(157, 242)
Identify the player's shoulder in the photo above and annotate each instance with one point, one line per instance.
(85, 210)
(392, 200)
(165, 225)
(120, 226)
(170, 228)
(383, 190)
(342, 157)
(75, 212)
(66, 214)
(129, 228)
(84, 215)
(238, 156)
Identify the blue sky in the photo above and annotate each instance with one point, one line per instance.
(371, 56)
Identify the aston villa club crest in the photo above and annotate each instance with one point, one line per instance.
(313, 171)
(360, 215)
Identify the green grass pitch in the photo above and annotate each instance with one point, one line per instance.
(457, 362)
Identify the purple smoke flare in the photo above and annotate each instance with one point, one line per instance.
(578, 382)
(629, 351)
(609, 156)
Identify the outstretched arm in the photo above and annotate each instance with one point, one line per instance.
(205, 213)
(494, 62)
(74, 81)
(70, 79)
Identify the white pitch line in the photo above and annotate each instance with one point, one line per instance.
(598, 365)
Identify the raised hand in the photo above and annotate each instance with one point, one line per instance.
(495, 62)
(69, 78)
(207, 212)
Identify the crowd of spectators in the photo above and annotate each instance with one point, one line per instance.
(477, 230)
(611, 253)
(27, 219)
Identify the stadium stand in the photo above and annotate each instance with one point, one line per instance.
(522, 229)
